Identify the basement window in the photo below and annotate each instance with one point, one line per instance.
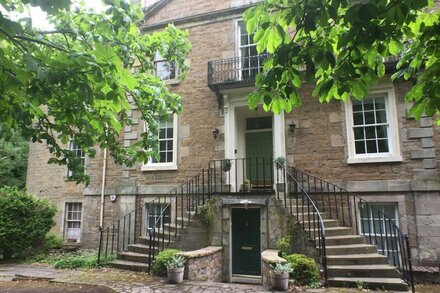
(73, 218)
(158, 214)
(378, 231)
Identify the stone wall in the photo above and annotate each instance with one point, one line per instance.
(204, 264)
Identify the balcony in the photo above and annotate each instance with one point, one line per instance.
(234, 72)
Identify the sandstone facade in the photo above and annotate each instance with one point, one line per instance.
(318, 145)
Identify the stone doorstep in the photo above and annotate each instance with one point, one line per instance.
(270, 256)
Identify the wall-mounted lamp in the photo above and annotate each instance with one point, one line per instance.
(215, 133)
(292, 127)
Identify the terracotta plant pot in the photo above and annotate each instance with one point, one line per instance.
(175, 276)
(279, 281)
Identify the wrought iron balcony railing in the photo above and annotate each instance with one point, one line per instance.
(234, 72)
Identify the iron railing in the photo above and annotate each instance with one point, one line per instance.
(301, 207)
(363, 217)
(235, 70)
(156, 229)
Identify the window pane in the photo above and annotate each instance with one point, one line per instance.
(379, 103)
(381, 131)
(369, 117)
(358, 133)
(368, 104)
(370, 132)
(358, 119)
(371, 146)
(383, 145)
(360, 147)
(162, 133)
(162, 145)
(170, 145)
(244, 40)
(357, 106)
(381, 116)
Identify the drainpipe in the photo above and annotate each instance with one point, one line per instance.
(104, 173)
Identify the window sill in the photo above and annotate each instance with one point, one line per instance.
(366, 160)
(159, 168)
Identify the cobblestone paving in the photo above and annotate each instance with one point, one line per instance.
(134, 282)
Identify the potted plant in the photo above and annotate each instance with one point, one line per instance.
(280, 162)
(226, 165)
(175, 269)
(246, 186)
(280, 276)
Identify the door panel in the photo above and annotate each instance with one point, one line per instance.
(259, 145)
(246, 254)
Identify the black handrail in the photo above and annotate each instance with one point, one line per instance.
(178, 205)
(300, 206)
(343, 205)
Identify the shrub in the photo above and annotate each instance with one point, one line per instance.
(207, 213)
(305, 271)
(283, 244)
(50, 242)
(24, 221)
(159, 267)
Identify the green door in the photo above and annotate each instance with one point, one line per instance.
(259, 149)
(246, 254)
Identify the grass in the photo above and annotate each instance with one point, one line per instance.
(80, 259)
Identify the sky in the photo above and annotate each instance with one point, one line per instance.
(39, 17)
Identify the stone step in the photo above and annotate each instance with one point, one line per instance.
(129, 265)
(350, 249)
(363, 271)
(344, 240)
(305, 216)
(391, 284)
(333, 231)
(139, 248)
(357, 259)
(133, 256)
(156, 240)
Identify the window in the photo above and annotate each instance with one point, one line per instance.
(167, 136)
(251, 61)
(158, 214)
(372, 128)
(166, 70)
(79, 153)
(377, 230)
(72, 224)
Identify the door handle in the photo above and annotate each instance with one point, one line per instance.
(246, 248)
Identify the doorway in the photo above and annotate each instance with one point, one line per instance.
(259, 150)
(246, 247)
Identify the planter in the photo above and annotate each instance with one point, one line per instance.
(246, 187)
(279, 281)
(175, 276)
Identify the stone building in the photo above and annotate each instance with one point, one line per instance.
(369, 148)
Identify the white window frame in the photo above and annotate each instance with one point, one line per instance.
(175, 80)
(151, 166)
(83, 158)
(67, 221)
(238, 47)
(393, 155)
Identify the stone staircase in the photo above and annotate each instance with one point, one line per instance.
(137, 256)
(351, 262)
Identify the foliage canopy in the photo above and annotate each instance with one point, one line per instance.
(343, 46)
(13, 160)
(75, 81)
